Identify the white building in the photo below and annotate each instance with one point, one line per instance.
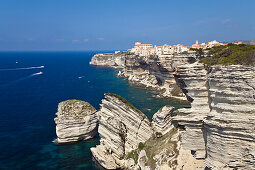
(180, 48)
(148, 49)
(167, 50)
(142, 49)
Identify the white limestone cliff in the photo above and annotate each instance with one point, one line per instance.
(121, 128)
(162, 121)
(220, 124)
(76, 120)
(108, 59)
(129, 140)
(155, 72)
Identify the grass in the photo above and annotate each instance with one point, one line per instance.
(134, 153)
(163, 142)
(154, 146)
(68, 106)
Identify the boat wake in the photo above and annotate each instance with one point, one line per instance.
(36, 73)
(21, 79)
(25, 68)
(55, 141)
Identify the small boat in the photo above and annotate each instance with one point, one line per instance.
(80, 77)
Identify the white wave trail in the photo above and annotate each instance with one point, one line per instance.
(26, 68)
(36, 73)
(21, 79)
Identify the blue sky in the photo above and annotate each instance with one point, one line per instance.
(61, 25)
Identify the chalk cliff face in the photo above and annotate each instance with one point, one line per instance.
(121, 128)
(157, 73)
(153, 72)
(129, 140)
(162, 120)
(220, 124)
(196, 86)
(76, 120)
(110, 59)
(230, 125)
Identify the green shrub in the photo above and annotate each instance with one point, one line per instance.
(134, 155)
(158, 135)
(141, 146)
(231, 54)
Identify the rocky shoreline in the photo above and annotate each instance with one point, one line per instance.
(127, 137)
(217, 132)
(153, 72)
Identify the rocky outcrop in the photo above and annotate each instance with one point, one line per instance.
(186, 161)
(165, 153)
(220, 124)
(111, 59)
(153, 72)
(162, 121)
(128, 140)
(121, 128)
(156, 73)
(230, 125)
(76, 120)
(196, 88)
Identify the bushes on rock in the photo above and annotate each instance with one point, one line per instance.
(242, 54)
(127, 103)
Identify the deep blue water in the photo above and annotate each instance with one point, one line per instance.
(28, 103)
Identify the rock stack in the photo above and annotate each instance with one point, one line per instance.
(76, 120)
(162, 120)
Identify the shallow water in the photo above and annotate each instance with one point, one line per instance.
(29, 99)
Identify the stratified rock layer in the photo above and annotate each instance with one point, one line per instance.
(162, 120)
(155, 72)
(220, 124)
(230, 125)
(109, 59)
(76, 120)
(121, 128)
(195, 79)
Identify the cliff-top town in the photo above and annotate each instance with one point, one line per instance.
(148, 49)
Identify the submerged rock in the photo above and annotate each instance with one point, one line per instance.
(76, 120)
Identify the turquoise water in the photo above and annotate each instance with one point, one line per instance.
(29, 99)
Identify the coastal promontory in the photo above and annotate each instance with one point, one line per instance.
(218, 128)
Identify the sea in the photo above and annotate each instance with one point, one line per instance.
(31, 86)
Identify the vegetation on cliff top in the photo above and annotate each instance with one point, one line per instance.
(128, 104)
(70, 107)
(242, 54)
(165, 146)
